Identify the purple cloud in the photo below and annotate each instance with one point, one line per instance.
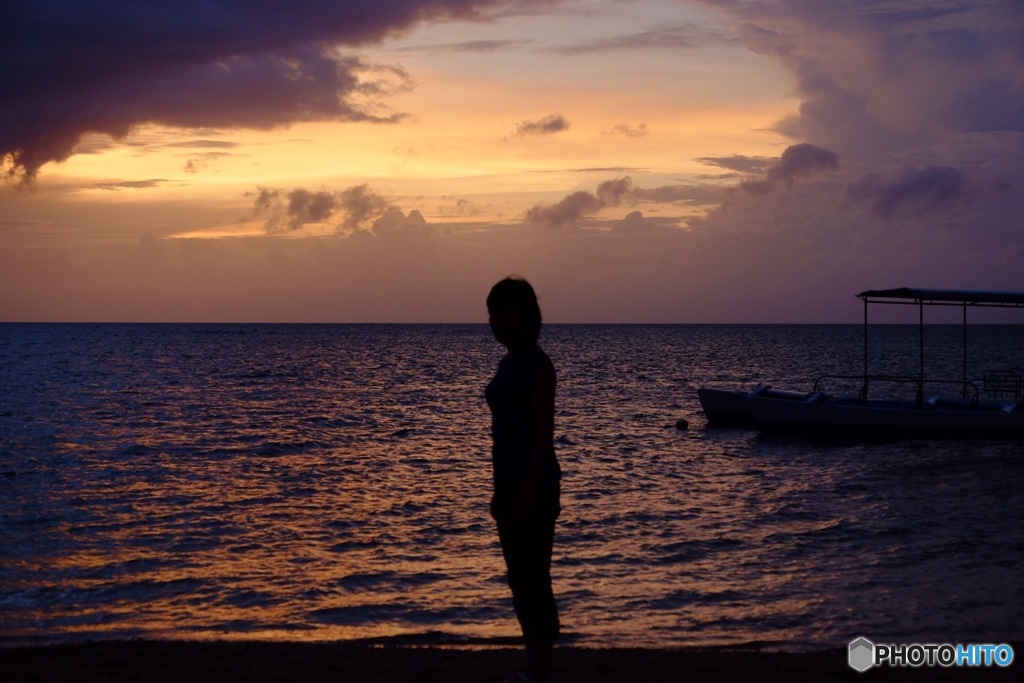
(796, 161)
(801, 160)
(915, 192)
(107, 66)
(581, 204)
(889, 77)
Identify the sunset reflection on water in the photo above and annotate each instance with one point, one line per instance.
(325, 482)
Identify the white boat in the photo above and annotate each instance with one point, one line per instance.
(966, 414)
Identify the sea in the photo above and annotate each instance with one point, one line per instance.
(332, 482)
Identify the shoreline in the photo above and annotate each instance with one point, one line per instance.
(166, 661)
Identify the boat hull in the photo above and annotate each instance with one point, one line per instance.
(732, 407)
(725, 406)
(937, 417)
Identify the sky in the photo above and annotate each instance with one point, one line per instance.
(639, 161)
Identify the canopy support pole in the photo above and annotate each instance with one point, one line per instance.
(920, 372)
(864, 388)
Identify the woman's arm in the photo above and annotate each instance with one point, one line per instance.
(542, 451)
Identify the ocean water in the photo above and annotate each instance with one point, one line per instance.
(313, 482)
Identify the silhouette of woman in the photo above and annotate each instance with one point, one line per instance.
(526, 473)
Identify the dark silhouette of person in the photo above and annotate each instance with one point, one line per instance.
(527, 477)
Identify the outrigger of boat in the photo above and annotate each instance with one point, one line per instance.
(993, 410)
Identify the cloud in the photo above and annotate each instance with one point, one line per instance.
(572, 208)
(285, 212)
(703, 194)
(203, 161)
(459, 206)
(73, 68)
(915, 99)
(394, 224)
(614, 192)
(130, 184)
(203, 144)
(801, 160)
(465, 47)
(581, 204)
(914, 192)
(682, 36)
(797, 160)
(554, 123)
(923, 103)
(630, 131)
(361, 205)
(595, 169)
(309, 207)
(882, 78)
(740, 163)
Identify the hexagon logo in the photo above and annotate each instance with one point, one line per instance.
(862, 654)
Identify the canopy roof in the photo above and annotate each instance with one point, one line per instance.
(912, 295)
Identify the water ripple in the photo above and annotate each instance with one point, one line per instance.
(333, 482)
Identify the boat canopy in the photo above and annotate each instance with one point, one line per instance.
(910, 295)
(964, 298)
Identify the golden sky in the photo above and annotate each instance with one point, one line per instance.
(642, 161)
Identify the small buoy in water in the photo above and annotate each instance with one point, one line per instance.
(682, 424)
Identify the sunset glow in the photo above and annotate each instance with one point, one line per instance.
(668, 154)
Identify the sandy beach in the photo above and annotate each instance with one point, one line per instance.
(198, 662)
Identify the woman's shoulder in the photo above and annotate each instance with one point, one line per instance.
(541, 361)
(532, 359)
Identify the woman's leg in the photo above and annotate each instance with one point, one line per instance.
(527, 547)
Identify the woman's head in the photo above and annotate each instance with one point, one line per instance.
(514, 312)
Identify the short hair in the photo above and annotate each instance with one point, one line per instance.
(517, 291)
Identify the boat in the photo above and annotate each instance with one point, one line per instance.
(732, 407)
(990, 406)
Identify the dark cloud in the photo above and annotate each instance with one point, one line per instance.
(615, 192)
(574, 207)
(106, 66)
(915, 192)
(554, 123)
(798, 160)
(309, 207)
(354, 208)
(757, 187)
(361, 205)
